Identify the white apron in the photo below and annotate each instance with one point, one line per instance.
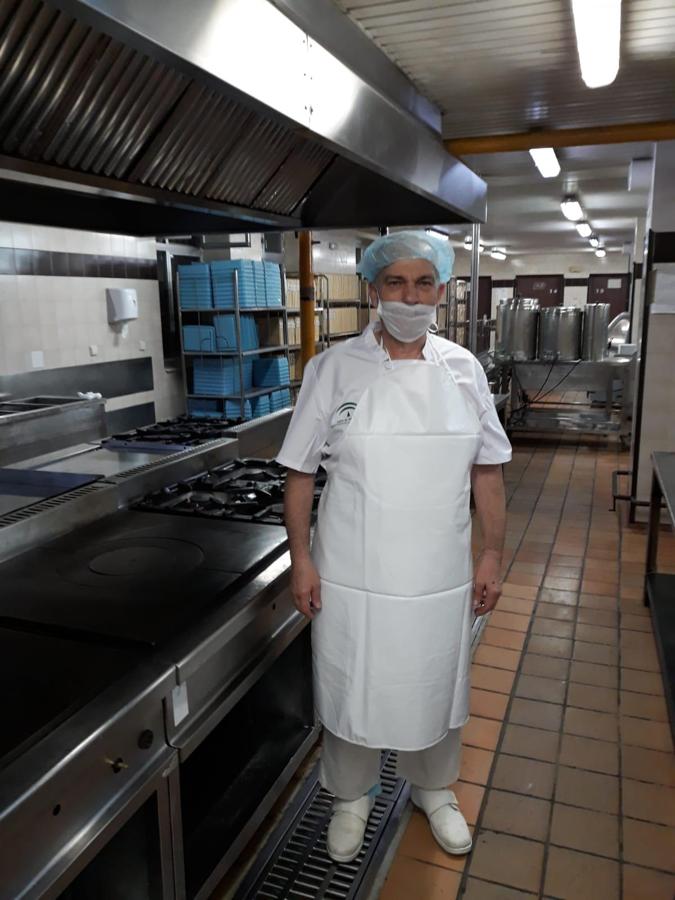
(391, 643)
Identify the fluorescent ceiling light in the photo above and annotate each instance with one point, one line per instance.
(597, 24)
(468, 245)
(437, 231)
(600, 251)
(497, 253)
(571, 208)
(584, 229)
(594, 240)
(546, 161)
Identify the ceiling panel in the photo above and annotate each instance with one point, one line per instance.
(495, 66)
(524, 209)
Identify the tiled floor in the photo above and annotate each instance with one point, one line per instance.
(568, 774)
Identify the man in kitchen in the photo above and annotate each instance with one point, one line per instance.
(404, 424)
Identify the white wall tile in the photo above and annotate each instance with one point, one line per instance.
(118, 245)
(22, 236)
(63, 316)
(6, 239)
(9, 289)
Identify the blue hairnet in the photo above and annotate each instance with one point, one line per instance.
(407, 245)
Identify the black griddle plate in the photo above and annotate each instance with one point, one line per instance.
(134, 577)
(46, 680)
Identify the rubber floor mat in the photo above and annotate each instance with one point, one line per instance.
(294, 862)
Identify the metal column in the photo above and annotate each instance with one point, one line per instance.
(307, 304)
(473, 295)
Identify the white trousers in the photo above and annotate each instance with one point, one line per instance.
(349, 770)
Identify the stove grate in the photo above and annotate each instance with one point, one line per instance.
(295, 864)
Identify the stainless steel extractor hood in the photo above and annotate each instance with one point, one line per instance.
(164, 117)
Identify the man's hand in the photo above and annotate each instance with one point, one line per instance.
(487, 587)
(306, 587)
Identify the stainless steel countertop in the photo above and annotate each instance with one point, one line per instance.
(101, 462)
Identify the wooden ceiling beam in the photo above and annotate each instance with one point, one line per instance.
(563, 137)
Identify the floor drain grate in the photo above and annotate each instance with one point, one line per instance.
(294, 862)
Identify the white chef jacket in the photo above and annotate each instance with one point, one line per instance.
(335, 380)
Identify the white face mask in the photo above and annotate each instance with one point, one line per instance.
(405, 321)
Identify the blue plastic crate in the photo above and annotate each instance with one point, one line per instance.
(194, 270)
(272, 284)
(248, 298)
(205, 409)
(250, 278)
(226, 332)
(199, 338)
(233, 409)
(280, 400)
(195, 303)
(261, 406)
(194, 286)
(221, 376)
(271, 371)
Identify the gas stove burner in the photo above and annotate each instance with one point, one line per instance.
(259, 475)
(201, 504)
(251, 484)
(171, 434)
(242, 490)
(273, 515)
(255, 498)
(211, 481)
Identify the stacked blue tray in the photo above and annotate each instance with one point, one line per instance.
(219, 377)
(226, 332)
(250, 279)
(199, 338)
(204, 409)
(271, 371)
(194, 286)
(233, 409)
(280, 400)
(261, 406)
(272, 284)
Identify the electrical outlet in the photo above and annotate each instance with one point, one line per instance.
(37, 359)
(141, 345)
(93, 349)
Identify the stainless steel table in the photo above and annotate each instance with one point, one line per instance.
(540, 379)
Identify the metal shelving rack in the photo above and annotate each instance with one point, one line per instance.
(194, 317)
(326, 306)
(444, 329)
(457, 297)
(326, 337)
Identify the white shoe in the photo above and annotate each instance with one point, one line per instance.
(448, 825)
(348, 827)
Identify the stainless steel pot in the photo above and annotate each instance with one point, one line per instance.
(517, 322)
(595, 331)
(560, 333)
